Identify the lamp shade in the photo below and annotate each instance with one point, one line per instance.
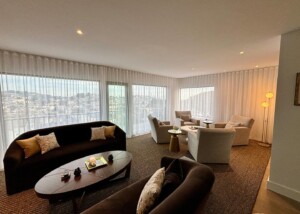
(269, 95)
(265, 104)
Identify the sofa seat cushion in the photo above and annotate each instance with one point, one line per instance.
(67, 152)
(39, 165)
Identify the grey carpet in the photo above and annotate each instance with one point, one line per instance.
(234, 191)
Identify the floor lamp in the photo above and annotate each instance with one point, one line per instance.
(266, 105)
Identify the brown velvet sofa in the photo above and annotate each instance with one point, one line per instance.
(74, 141)
(189, 197)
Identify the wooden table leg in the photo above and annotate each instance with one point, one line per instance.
(174, 144)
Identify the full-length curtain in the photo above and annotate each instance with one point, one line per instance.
(241, 93)
(38, 92)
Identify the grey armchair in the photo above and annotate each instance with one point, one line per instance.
(211, 145)
(184, 118)
(242, 126)
(159, 130)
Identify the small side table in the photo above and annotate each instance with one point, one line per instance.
(207, 122)
(174, 142)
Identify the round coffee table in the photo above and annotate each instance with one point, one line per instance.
(174, 142)
(53, 188)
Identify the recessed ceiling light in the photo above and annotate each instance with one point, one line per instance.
(79, 32)
(242, 52)
(193, 69)
(256, 66)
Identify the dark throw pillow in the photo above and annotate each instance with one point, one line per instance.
(173, 178)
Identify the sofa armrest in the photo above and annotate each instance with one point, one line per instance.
(220, 124)
(120, 138)
(13, 156)
(189, 195)
(12, 159)
(196, 121)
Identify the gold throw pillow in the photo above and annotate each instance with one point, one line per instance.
(30, 146)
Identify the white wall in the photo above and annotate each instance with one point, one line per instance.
(285, 162)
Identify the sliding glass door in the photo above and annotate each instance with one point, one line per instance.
(117, 104)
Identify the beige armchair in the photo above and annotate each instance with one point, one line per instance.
(242, 126)
(159, 130)
(211, 145)
(184, 118)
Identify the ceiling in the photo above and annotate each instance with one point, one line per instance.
(177, 38)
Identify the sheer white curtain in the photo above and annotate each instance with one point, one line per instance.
(37, 92)
(240, 92)
(145, 93)
(200, 101)
(147, 100)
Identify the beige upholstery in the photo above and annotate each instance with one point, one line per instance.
(211, 145)
(184, 118)
(242, 130)
(159, 132)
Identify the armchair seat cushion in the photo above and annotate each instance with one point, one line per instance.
(188, 123)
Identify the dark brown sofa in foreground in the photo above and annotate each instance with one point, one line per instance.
(189, 197)
(74, 141)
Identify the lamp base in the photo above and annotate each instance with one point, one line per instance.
(264, 144)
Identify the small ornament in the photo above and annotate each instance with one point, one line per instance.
(77, 172)
(110, 158)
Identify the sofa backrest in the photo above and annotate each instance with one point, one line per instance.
(68, 134)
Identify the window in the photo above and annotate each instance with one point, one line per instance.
(37, 102)
(147, 100)
(117, 104)
(200, 101)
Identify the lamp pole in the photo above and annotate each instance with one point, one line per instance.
(265, 105)
(269, 95)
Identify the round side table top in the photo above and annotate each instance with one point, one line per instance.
(208, 121)
(175, 132)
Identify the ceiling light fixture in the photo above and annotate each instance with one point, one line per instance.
(242, 52)
(256, 66)
(79, 32)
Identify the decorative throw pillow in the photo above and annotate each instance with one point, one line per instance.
(47, 142)
(151, 191)
(185, 118)
(30, 146)
(110, 131)
(98, 133)
(231, 124)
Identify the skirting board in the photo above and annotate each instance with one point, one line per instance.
(284, 190)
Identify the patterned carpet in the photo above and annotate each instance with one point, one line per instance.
(234, 191)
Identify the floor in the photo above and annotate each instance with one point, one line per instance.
(269, 202)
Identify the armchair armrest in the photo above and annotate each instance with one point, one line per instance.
(165, 127)
(220, 124)
(241, 135)
(196, 121)
(166, 122)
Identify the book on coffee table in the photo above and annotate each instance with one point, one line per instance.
(100, 161)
